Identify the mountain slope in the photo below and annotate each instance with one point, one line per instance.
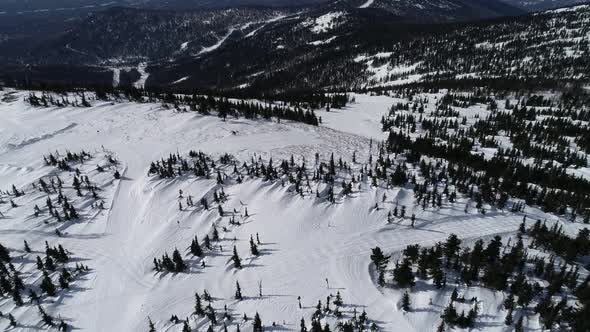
(362, 48)
(440, 10)
(313, 235)
(537, 5)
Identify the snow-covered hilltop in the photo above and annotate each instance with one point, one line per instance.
(164, 204)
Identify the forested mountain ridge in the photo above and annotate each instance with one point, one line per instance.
(349, 53)
(122, 38)
(349, 45)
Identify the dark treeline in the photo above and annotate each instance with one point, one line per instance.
(538, 129)
(503, 267)
(295, 107)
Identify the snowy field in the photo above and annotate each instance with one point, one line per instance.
(309, 248)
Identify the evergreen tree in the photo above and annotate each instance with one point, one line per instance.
(302, 326)
(198, 306)
(508, 319)
(403, 275)
(12, 321)
(151, 327)
(237, 260)
(378, 258)
(238, 295)
(47, 285)
(253, 247)
(338, 300)
(4, 254)
(196, 248)
(406, 302)
(179, 264)
(47, 319)
(18, 301)
(257, 324)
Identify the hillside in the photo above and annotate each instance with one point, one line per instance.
(121, 38)
(348, 47)
(314, 201)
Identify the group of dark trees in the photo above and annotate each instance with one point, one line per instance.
(202, 309)
(55, 264)
(546, 182)
(220, 105)
(505, 267)
(55, 185)
(333, 306)
(48, 99)
(174, 264)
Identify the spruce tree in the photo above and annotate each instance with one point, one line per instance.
(4, 254)
(253, 247)
(151, 327)
(302, 326)
(18, 301)
(179, 264)
(47, 319)
(236, 258)
(12, 320)
(257, 324)
(196, 248)
(238, 295)
(198, 306)
(406, 302)
(47, 285)
(378, 258)
(508, 319)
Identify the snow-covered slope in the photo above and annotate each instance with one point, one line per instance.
(309, 247)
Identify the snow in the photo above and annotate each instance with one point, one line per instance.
(143, 75)
(218, 44)
(304, 241)
(324, 23)
(182, 79)
(323, 42)
(116, 76)
(184, 46)
(565, 10)
(274, 19)
(367, 4)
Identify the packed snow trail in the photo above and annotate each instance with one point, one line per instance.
(367, 4)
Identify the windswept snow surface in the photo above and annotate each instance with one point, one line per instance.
(304, 241)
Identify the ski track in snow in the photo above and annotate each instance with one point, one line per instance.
(116, 76)
(303, 241)
(140, 83)
(218, 44)
(367, 4)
